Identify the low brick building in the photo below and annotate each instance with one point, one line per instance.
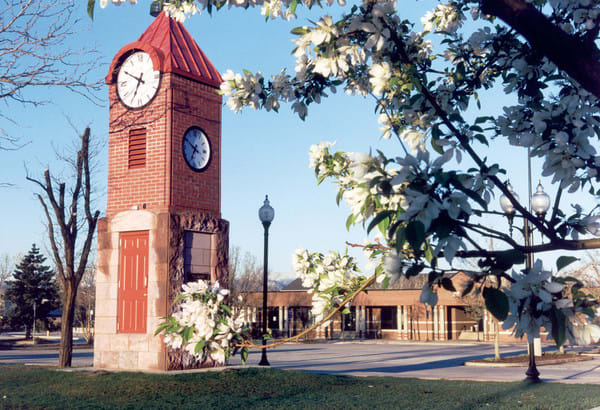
(392, 313)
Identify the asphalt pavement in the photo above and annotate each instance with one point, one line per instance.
(420, 360)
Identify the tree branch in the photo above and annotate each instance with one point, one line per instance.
(575, 56)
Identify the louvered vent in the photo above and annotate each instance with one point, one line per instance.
(137, 148)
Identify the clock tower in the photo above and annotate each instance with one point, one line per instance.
(163, 223)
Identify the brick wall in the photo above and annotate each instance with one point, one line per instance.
(196, 104)
(166, 183)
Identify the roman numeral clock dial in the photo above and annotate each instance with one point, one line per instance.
(196, 149)
(137, 81)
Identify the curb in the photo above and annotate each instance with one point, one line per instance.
(165, 372)
(525, 364)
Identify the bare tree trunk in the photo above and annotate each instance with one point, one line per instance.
(70, 222)
(66, 326)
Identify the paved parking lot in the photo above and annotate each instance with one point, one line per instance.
(422, 360)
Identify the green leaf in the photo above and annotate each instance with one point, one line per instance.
(480, 120)
(199, 347)
(244, 354)
(468, 288)
(339, 197)
(386, 282)
(350, 221)
(293, 6)
(400, 237)
(299, 30)
(496, 302)
(447, 284)
(428, 253)
(415, 234)
(187, 334)
(414, 270)
(378, 218)
(226, 308)
(589, 311)
(179, 297)
(435, 144)
(473, 195)
(565, 261)
(506, 259)
(162, 327)
(90, 8)
(558, 326)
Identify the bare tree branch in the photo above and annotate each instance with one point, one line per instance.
(67, 218)
(34, 53)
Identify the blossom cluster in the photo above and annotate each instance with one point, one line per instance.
(203, 325)
(330, 278)
(181, 9)
(373, 185)
(536, 301)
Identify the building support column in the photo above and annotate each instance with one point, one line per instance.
(435, 323)
(399, 321)
(280, 311)
(286, 325)
(405, 319)
(485, 326)
(363, 321)
(442, 322)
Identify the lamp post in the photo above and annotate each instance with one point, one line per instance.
(539, 203)
(33, 327)
(266, 213)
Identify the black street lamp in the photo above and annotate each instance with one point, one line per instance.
(266, 213)
(539, 203)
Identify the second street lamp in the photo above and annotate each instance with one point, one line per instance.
(266, 213)
(538, 203)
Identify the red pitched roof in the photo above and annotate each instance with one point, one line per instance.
(178, 51)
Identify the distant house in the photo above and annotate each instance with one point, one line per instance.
(392, 313)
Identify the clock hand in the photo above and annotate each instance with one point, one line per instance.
(193, 147)
(139, 79)
(138, 84)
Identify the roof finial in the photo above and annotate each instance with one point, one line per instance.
(156, 7)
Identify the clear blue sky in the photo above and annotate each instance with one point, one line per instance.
(263, 153)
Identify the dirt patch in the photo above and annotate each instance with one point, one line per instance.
(523, 360)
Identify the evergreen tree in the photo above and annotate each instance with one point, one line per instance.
(32, 284)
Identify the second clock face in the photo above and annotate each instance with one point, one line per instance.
(196, 149)
(137, 81)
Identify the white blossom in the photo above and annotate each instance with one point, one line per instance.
(380, 74)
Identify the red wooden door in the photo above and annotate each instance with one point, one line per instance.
(133, 282)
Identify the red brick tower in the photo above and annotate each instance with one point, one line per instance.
(163, 221)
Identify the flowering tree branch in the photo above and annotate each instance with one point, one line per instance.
(576, 55)
(428, 208)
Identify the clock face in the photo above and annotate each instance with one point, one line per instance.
(196, 149)
(137, 81)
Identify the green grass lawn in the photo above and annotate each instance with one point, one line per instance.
(27, 387)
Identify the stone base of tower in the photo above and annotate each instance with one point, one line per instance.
(145, 252)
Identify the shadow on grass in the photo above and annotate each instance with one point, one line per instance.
(20, 358)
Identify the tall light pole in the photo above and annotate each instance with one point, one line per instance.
(539, 203)
(33, 327)
(34, 308)
(266, 213)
